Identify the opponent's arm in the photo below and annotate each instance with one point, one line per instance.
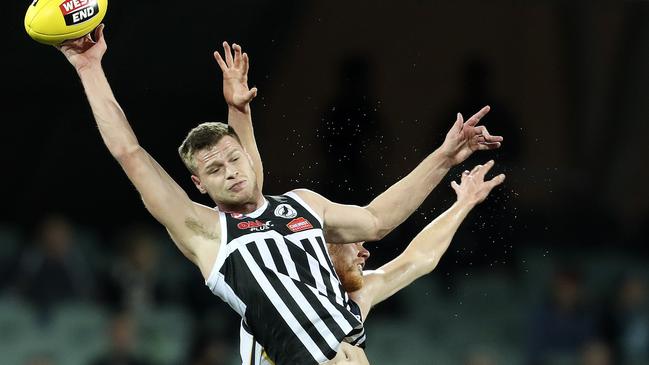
(238, 97)
(424, 252)
(345, 223)
(163, 198)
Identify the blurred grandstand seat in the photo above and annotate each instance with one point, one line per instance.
(165, 334)
(78, 331)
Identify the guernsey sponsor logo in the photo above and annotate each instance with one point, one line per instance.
(78, 11)
(255, 226)
(299, 224)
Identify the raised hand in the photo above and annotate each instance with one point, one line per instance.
(473, 189)
(84, 52)
(466, 137)
(235, 77)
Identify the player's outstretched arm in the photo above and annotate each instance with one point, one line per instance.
(344, 223)
(238, 97)
(164, 199)
(424, 252)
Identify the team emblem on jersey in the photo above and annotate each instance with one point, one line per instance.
(299, 224)
(285, 211)
(255, 226)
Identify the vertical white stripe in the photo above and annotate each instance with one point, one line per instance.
(335, 313)
(281, 307)
(227, 294)
(335, 284)
(222, 253)
(286, 256)
(265, 254)
(333, 278)
(245, 346)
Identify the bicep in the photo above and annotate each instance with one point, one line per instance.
(162, 196)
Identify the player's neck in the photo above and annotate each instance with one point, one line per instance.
(245, 208)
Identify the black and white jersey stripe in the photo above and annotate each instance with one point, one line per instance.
(274, 270)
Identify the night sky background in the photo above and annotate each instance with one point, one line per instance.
(352, 95)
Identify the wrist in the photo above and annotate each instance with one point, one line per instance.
(465, 204)
(88, 68)
(244, 109)
(444, 159)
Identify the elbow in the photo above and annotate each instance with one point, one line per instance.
(124, 154)
(380, 230)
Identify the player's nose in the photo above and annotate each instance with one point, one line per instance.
(363, 252)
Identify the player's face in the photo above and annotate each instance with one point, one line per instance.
(225, 173)
(349, 261)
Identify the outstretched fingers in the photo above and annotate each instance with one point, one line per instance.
(228, 54)
(237, 55)
(220, 61)
(495, 181)
(475, 118)
(455, 186)
(246, 63)
(459, 121)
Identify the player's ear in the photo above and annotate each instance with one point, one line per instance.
(199, 185)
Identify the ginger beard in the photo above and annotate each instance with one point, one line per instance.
(348, 260)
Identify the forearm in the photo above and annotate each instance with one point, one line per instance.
(428, 247)
(397, 203)
(111, 120)
(241, 122)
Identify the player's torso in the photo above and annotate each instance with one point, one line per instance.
(274, 270)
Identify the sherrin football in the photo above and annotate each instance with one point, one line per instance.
(55, 21)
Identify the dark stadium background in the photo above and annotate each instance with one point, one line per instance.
(352, 95)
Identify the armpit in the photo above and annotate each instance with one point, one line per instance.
(198, 228)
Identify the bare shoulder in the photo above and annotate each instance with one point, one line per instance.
(316, 201)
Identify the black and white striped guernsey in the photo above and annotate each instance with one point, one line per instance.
(273, 269)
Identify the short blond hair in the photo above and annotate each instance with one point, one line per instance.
(203, 136)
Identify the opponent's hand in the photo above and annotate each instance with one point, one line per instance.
(466, 137)
(235, 77)
(84, 52)
(473, 189)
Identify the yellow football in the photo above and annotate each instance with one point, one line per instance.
(54, 21)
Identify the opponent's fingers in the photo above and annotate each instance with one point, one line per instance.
(495, 181)
(483, 146)
(476, 169)
(220, 61)
(455, 186)
(237, 54)
(475, 118)
(251, 94)
(246, 63)
(482, 131)
(227, 51)
(459, 121)
(464, 175)
(484, 169)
